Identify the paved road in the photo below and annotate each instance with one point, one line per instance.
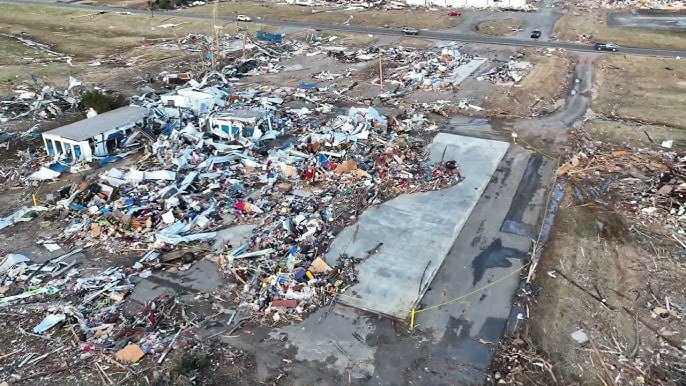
(543, 20)
(432, 35)
(576, 104)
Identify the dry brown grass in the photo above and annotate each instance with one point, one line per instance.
(536, 94)
(634, 134)
(575, 23)
(503, 27)
(86, 37)
(423, 19)
(650, 90)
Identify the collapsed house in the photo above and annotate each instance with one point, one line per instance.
(98, 136)
(198, 101)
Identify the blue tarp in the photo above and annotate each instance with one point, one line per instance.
(58, 167)
(307, 85)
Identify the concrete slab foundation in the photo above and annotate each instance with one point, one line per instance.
(415, 242)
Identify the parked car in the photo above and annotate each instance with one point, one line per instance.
(455, 13)
(535, 34)
(607, 46)
(410, 31)
(243, 18)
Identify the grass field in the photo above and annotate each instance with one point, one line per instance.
(619, 132)
(504, 27)
(111, 38)
(424, 19)
(592, 24)
(649, 90)
(537, 93)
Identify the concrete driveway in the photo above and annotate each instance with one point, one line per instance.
(576, 104)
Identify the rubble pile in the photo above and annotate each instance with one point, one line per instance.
(651, 183)
(12, 173)
(515, 358)
(38, 102)
(296, 175)
(506, 74)
(281, 163)
(92, 304)
(241, 54)
(425, 70)
(361, 55)
(297, 195)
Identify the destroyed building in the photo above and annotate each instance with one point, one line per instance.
(198, 101)
(98, 136)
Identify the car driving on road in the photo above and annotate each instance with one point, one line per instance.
(606, 46)
(410, 31)
(243, 18)
(535, 34)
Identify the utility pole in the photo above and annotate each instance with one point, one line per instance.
(215, 35)
(381, 71)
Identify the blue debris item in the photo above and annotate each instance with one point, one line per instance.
(307, 86)
(110, 159)
(293, 250)
(115, 135)
(323, 160)
(169, 127)
(58, 167)
(267, 37)
(300, 275)
(76, 207)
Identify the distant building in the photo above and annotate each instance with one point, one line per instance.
(238, 124)
(98, 136)
(198, 101)
(469, 3)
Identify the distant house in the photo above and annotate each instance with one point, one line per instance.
(198, 101)
(238, 124)
(98, 136)
(469, 3)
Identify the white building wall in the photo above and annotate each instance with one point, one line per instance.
(96, 147)
(61, 146)
(187, 98)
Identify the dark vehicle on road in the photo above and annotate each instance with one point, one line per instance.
(535, 34)
(410, 31)
(607, 46)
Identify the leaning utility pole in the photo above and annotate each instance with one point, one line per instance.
(215, 36)
(381, 72)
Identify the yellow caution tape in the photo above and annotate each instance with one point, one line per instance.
(491, 284)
